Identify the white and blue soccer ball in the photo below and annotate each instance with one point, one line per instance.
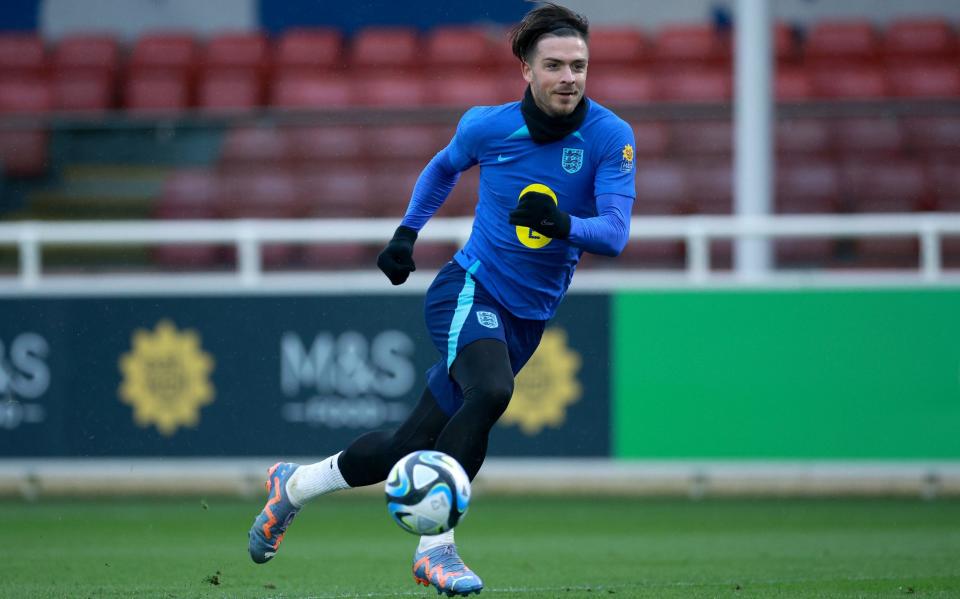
(428, 492)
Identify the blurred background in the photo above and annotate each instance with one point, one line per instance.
(178, 311)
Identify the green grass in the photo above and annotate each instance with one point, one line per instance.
(345, 546)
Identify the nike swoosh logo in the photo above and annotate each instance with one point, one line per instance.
(502, 158)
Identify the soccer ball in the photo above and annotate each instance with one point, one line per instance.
(427, 492)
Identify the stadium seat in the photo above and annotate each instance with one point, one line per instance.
(867, 136)
(393, 48)
(391, 185)
(616, 47)
(172, 51)
(884, 185)
(807, 187)
(309, 50)
(933, 136)
(322, 145)
(388, 90)
(691, 46)
(311, 92)
(463, 89)
(87, 52)
(945, 182)
(266, 194)
(792, 84)
(702, 137)
(850, 82)
(617, 86)
(404, 142)
(159, 91)
(930, 39)
(925, 80)
(187, 194)
(458, 48)
(252, 146)
(248, 51)
(23, 152)
(661, 188)
(25, 96)
(853, 42)
(229, 91)
(77, 90)
(651, 139)
(802, 137)
(331, 191)
(701, 85)
(22, 55)
(710, 185)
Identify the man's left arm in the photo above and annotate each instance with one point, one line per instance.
(607, 233)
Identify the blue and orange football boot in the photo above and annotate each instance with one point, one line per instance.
(443, 568)
(269, 527)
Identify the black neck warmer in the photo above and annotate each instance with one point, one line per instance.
(546, 129)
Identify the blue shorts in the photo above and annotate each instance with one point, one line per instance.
(460, 311)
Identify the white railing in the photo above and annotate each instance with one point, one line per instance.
(248, 236)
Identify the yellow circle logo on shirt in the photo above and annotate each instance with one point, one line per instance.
(526, 235)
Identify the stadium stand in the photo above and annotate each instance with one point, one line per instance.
(305, 51)
(188, 194)
(396, 49)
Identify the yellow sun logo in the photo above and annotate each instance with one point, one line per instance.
(546, 385)
(166, 378)
(628, 153)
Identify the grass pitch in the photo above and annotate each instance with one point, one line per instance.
(538, 547)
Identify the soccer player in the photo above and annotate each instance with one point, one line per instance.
(556, 179)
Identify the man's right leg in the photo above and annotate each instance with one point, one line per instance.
(366, 461)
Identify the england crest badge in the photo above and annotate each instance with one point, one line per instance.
(572, 159)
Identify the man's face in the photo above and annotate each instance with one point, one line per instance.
(557, 73)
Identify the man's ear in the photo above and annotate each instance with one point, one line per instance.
(527, 71)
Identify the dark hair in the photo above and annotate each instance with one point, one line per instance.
(546, 19)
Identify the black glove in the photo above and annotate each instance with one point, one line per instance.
(539, 212)
(396, 260)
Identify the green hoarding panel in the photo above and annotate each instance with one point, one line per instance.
(846, 374)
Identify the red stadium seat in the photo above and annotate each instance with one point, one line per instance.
(187, 194)
(885, 185)
(809, 187)
(933, 136)
(314, 91)
(391, 185)
(802, 136)
(78, 90)
(683, 85)
(252, 146)
(925, 80)
(309, 50)
(23, 152)
(869, 136)
(662, 188)
(945, 181)
(176, 51)
(851, 42)
(386, 48)
(850, 83)
(22, 55)
(463, 89)
(651, 139)
(335, 191)
(87, 52)
(404, 142)
(157, 92)
(691, 46)
(621, 86)
(459, 47)
(617, 46)
(25, 95)
(920, 39)
(244, 50)
(326, 144)
(389, 90)
(229, 91)
(710, 184)
(792, 84)
(702, 137)
(262, 194)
